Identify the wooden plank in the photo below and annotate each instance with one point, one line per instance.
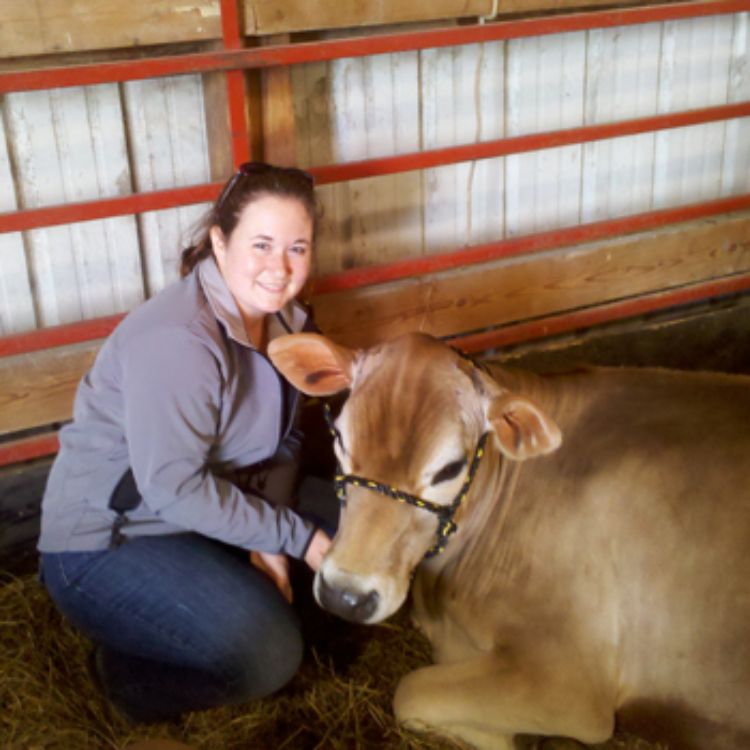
(216, 117)
(277, 16)
(508, 7)
(494, 294)
(279, 125)
(38, 388)
(59, 26)
(62, 26)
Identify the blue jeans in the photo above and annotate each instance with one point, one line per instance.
(183, 623)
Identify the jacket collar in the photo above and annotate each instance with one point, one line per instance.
(290, 319)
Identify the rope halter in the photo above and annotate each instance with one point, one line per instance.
(445, 513)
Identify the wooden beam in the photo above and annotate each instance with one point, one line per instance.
(281, 16)
(61, 26)
(279, 128)
(513, 7)
(38, 388)
(216, 114)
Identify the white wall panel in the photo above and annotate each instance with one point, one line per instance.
(169, 148)
(694, 73)
(485, 203)
(736, 166)
(16, 302)
(462, 103)
(621, 84)
(545, 91)
(69, 146)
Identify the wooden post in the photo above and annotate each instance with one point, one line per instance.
(277, 102)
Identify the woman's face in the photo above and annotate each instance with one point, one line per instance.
(266, 260)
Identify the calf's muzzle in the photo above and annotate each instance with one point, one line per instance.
(348, 603)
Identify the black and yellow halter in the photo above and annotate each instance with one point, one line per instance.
(445, 513)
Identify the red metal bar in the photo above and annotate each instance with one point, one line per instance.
(62, 335)
(525, 143)
(85, 211)
(103, 208)
(231, 25)
(235, 79)
(45, 445)
(28, 449)
(238, 120)
(532, 243)
(359, 277)
(571, 321)
(291, 54)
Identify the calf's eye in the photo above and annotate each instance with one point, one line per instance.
(449, 471)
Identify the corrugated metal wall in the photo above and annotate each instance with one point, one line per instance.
(77, 144)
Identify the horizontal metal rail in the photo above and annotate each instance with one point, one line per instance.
(96, 328)
(34, 218)
(46, 444)
(27, 449)
(105, 208)
(291, 54)
(525, 245)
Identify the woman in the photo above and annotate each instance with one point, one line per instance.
(141, 525)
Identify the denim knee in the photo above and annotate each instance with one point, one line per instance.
(257, 669)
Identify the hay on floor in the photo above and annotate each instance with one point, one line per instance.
(340, 699)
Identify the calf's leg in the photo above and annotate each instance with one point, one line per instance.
(488, 700)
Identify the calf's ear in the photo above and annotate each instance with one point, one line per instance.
(312, 363)
(521, 428)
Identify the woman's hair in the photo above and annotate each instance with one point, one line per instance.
(251, 181)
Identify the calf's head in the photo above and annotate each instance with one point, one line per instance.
(413, 419)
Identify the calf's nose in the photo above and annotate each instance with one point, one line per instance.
(348, 603)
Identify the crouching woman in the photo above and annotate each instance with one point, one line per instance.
(145, 534)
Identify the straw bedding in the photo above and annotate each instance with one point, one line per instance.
(340, 699)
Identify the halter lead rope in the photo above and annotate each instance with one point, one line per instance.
(445, 513)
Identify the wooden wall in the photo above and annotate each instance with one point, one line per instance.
(76, 144)
(60, 26)
(83, 143)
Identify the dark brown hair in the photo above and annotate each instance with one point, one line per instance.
(251, 181)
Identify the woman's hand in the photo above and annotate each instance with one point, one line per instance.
(318, 547)
(276, 567)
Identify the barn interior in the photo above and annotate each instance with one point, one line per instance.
(546, 183)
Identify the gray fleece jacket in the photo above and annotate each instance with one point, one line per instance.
(178, 394)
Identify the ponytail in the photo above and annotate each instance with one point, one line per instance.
(191, 256)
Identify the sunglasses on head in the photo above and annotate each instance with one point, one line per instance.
(259, 168)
